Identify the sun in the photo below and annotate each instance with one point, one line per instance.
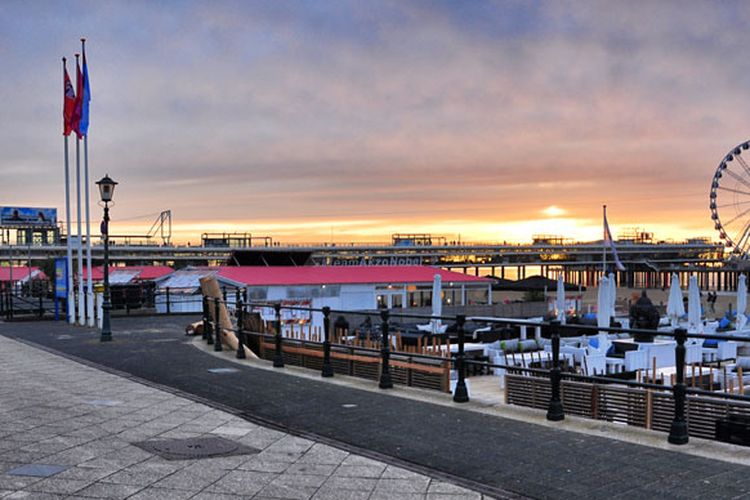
(554, 211)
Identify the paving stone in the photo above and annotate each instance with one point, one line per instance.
(374, 471)
(162, 494)
(245, 483)
(413, 485)
(109, 490)
(274, 490)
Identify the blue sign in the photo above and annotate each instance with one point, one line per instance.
(61, 278)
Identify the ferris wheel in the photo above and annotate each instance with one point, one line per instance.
(730, 200)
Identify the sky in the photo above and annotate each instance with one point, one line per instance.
(349, 121)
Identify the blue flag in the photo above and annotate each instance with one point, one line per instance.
(83, 125)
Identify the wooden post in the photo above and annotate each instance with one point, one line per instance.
(649, 408)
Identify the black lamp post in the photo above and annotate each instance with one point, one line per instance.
(106, 190)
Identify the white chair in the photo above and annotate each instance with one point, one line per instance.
(693, 354)
(636, 360)
(595, 364)
(726, 350)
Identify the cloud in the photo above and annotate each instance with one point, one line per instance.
(488, 112)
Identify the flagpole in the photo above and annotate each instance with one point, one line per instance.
(89, 282)
(604, 240)
(70, 309)
(81, 296)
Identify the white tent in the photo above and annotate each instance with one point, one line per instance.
(741, 302)
(675, 305)
(695, 325)
(560, 300)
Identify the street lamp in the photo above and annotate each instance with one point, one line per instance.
(106, 190)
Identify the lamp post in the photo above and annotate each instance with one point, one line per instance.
(106, 190)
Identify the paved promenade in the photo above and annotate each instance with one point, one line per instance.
(68, 432)
(463, 444)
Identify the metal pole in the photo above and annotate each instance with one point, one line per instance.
(555, 411)
(208, 335)
(461, 394)
(81, 294)
(217, 326)
(278, 357)
(240, 306)
(90, 278)
(327, 368)
(106, 304)
(385, 353)
(678, 433)
(71, 304)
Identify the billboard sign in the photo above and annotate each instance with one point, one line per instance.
(28, 216)
(61, 278)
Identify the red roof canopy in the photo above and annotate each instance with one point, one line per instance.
(334, 275)
(21, 273)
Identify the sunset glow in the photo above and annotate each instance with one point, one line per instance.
(349, 121)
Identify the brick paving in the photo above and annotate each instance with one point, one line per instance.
(76, 425)
(496, 456)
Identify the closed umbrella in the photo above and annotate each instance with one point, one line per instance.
(675, 305)
(694, 306)
(612, 294)
(603, 307)
(560, 300)
(437, 304)
(741, 302)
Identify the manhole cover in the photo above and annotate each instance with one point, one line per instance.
(37, 470)
(193, 448)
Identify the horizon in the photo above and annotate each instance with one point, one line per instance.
(340, 121)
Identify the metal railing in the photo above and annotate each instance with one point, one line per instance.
(553, 372)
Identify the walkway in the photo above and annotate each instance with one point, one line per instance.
(493, 454)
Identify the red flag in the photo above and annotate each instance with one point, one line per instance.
(78, 107)
(69, 102)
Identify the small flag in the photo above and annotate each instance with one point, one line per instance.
(609, 242)
(83, 125)
(69, 102)
(77, 113)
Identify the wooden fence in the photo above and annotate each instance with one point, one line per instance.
(361, 362)
(628, 405)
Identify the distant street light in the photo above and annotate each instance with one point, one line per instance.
(106, 191)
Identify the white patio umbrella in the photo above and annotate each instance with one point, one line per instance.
(741, 302)
(603, 307)
(675, 305)
(694, 306)
(437, 304)
(560, 300)
(612, 294)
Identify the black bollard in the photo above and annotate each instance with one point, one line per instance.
(217, 326)
(385, 353)
(678, 433)
(327, 368)
(278, 357)
(208, 334)
(240, 328)
(461, 394)
(555, 411)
